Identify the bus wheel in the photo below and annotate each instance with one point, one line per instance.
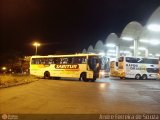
(57, 78)
(83, 77)
(122, 78)
(46, 75)
(93, 80)
(138, 76)
(144, 77)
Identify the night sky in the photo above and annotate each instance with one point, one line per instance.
(66, 26)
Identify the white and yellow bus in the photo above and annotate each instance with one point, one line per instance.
(83, 66)
(138, 68)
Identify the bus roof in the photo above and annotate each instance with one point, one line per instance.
(69, 55)
(140, 57)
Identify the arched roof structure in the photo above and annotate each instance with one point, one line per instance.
(90, 49)
(99, 46)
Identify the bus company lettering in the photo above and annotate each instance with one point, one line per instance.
(135, 67)
(59, 66)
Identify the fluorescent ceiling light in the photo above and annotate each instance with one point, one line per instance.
(154, 27)
(125, 52)
(127, 38)
(102, 53)
(144, 40)
(113, 51)
(154, 42)
(111, 54)
(157, 54)
(110, 45)
(142, 48)
(151, 41)
(131, 47)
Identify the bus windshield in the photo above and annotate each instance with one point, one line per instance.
(94, 63)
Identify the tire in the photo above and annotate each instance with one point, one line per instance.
(83, 77)
(138, 76)
(122, 78)
(57, 78)
(144, 77)
(46, 75)
(93, 80)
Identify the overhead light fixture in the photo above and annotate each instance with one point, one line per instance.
(112, 51)
(131, 47)
(142, 48)
(154, 42)
(127, 38)
(154, 27)
(144, 40)
(139, 53)
(151, 41)
(102, 53)
(111, 54)
(157, 55)
(127, 52)
(110, 45)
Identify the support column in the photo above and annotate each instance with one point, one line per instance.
(146, 53)
(135, 47)
(117, 52)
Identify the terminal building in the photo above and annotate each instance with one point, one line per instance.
(135, 40)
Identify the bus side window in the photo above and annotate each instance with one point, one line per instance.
(51, 61)
(77, 60)
(84, 60)
(64, 61)
(41, 61)
(151, 61)
(46, 61)
(140, 60)
(69, 60)
(33, 61)
(37, 61)
(56, 60)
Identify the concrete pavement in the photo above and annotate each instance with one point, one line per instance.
(75, 97)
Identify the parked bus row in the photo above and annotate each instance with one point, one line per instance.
(89, 67)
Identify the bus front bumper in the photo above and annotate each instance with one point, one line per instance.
(122, 74)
